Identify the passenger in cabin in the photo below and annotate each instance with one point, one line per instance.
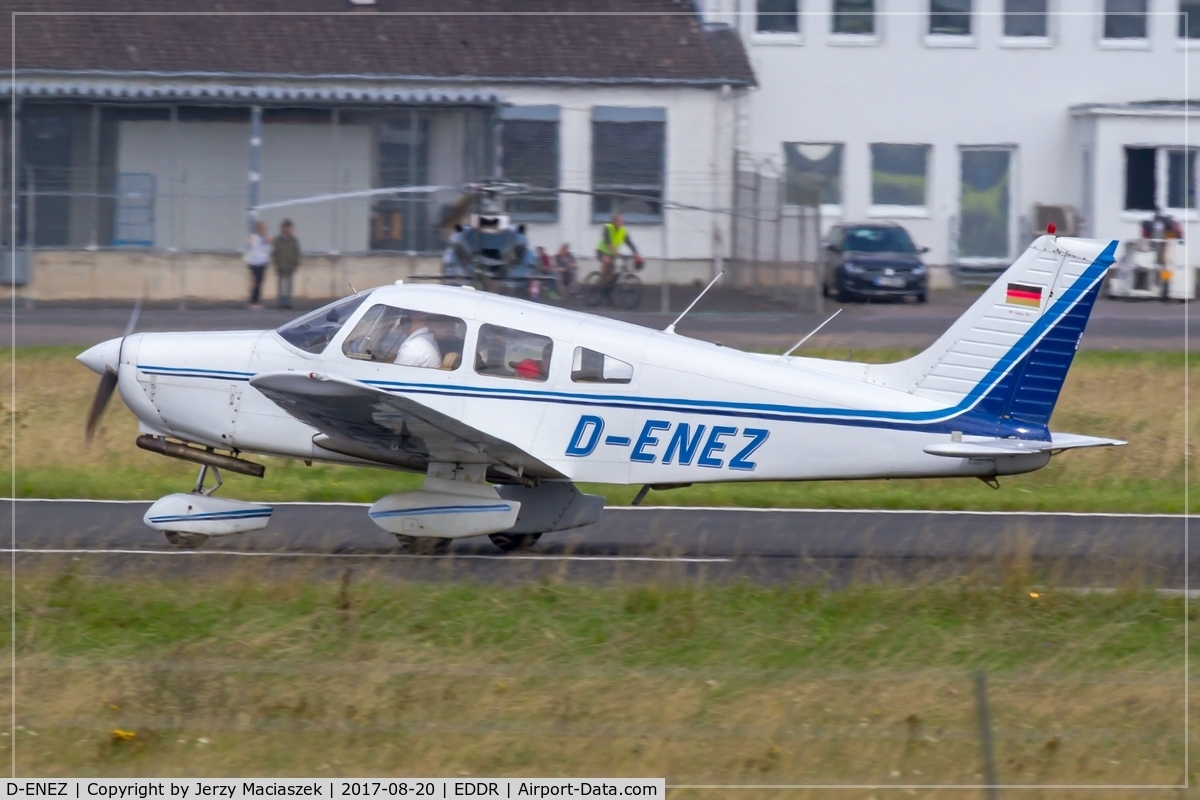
(420, 348)
(532, 368)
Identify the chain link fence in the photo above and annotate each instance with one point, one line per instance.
(776, 235)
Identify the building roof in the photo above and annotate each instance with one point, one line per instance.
(517, 41)
(1141, 108)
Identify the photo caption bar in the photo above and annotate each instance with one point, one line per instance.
(230, 789)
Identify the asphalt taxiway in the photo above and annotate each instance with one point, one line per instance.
(633, 544)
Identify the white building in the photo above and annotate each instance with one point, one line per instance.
(956, 117)
(141, 131)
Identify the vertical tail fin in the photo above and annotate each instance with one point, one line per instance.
(1008, 355)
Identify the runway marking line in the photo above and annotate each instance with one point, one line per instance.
(472, 556)
(705, 509)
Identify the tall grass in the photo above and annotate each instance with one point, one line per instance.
(701, 684)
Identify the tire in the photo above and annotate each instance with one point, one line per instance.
(843, 294)
(922, 298)
(185, 541)
(627, 293)
(592, 290)
(509, 542)
(423, 545)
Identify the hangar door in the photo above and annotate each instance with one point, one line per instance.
(985, 231)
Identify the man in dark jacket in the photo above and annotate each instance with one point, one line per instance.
(286, 255)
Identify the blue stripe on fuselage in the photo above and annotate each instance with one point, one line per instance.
(975, 414)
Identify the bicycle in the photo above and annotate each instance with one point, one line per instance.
(623, 288)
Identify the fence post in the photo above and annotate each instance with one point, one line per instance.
(818, 264)
(30, 233)
(991, 792)
(94, 233)
(664, 299)
(180, 249)
(778, 293)
(757, 220)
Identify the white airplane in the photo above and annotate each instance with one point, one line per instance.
(505, 404)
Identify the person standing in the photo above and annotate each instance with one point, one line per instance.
(565, 266)
(285, 253)
(258, 254)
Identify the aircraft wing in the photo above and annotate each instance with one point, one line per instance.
(999, 448)
(359, 420)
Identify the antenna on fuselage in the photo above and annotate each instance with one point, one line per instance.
(811, 333)
(671, 328)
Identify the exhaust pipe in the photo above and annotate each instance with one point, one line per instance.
(156, 444)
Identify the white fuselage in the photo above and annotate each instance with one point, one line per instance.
(693, 411)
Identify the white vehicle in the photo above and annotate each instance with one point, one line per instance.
(520, 401)
(1152, 269)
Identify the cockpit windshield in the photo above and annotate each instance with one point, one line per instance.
(313, 331)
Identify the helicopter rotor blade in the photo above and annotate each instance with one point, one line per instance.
(458, 211)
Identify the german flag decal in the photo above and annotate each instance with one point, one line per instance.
(1022, 294)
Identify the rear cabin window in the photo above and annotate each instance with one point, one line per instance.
(589, 366)
(315, 330)
(407, 337)
(510, 353)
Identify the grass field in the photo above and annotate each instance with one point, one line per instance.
(1133, 396)
(701, 684)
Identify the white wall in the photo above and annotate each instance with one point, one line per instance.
(1110, 134)
(699, 154)
(211, 176)
(296, 161)
(901, 88)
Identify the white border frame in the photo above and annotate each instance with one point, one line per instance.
(1186, 437)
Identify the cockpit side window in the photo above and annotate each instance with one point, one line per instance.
(407, 337)
(589, 366)
(315, 330)
(510, 353)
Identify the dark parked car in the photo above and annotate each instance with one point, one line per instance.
(873, 260)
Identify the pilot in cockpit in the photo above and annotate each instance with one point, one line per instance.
(420, 348)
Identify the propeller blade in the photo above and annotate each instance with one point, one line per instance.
(133, 318)
(104, 393)
(108, 379)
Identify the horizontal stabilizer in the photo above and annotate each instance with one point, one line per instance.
(995, 448)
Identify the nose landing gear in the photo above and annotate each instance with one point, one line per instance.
(189, 520)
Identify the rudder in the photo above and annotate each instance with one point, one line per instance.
(1007, 356)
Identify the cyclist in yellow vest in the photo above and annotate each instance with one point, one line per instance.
(615, 234)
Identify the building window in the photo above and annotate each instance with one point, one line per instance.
(814, 173)
(777, 16)
(899, 174)
(1139, 178)
(1160, 177)
(628, 162)
(1025, 18)
(1125, 19)
(950, 17)
(1181, 178)
(529, 148)
(856, 17)
(1189, 19)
